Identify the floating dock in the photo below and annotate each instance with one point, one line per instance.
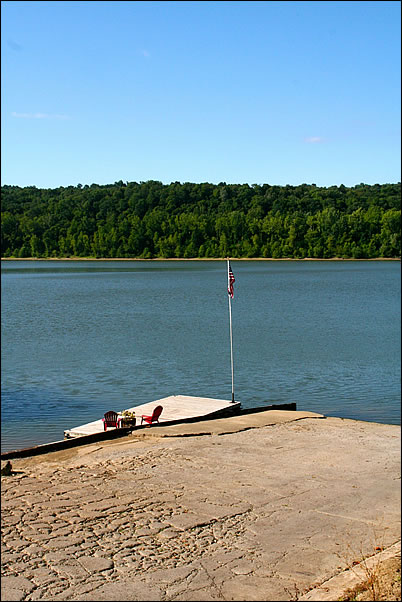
(176, 409)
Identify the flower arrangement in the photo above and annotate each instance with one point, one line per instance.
(127, 415)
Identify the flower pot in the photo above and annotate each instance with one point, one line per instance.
(128, 423)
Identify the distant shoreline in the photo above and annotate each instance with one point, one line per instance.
(195, 259)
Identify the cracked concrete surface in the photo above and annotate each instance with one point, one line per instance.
(266, 513)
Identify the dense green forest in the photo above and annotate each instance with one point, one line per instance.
(151, 219)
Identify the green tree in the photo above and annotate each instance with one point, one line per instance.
(149, 219)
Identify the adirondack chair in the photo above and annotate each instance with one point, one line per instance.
(110, 419)
(155, 416)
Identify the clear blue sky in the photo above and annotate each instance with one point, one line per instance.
(237, 92)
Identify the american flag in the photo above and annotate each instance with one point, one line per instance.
(231, 280)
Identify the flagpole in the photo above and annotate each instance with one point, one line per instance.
(231, 335)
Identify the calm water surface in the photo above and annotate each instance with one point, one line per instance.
(80, 338)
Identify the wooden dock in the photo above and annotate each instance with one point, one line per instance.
(176, 409)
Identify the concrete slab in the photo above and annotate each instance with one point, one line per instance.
(263, 512)
(231, 424)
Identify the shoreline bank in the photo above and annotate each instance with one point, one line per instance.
(255, 513)
(36, 449)
(193, 259)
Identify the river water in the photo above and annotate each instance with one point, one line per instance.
(83, 337)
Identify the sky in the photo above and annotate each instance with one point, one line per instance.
(239, 92)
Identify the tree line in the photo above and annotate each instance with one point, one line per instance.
(150, 219)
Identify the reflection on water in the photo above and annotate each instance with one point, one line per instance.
(80, 338)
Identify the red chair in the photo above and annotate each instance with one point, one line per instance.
(111, 419)
(155, 416)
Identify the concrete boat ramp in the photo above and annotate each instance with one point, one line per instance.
(176, 409)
